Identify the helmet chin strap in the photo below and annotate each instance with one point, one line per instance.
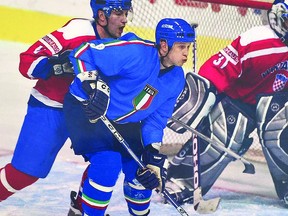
(284, 41)
(162, 62)
(162, 58)
(281, 37)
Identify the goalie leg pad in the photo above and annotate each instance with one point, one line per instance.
(272, 115)
(231, 125)
(194, 103)
(227, 123)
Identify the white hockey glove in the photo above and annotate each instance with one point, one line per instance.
(155, 173)
(61, 64)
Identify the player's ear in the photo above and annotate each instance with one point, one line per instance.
(102, 20)
(163, 48)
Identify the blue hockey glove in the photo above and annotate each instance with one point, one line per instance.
(155, 173)
(99, 97)
(61, 64)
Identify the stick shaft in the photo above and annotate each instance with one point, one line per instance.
(139, 162)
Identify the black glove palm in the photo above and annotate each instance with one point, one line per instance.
(61, 64)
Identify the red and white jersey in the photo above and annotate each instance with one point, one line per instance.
(34, 61)
(255, 62)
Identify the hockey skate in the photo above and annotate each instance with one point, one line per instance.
(281, 187)
(74, 208)
(285, 199)
(179, 192)
(282, 191)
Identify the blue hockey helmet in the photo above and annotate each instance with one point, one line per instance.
(278, 18)
(174, 30)
(109, 5)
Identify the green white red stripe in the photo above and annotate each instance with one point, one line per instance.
(85, 46)
(97, 204)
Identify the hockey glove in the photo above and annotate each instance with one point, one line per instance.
(61, 64)
(99, 97)
(155, 173)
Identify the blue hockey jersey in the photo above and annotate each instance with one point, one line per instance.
(139, 90)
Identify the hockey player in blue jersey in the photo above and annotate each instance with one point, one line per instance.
(135, 84)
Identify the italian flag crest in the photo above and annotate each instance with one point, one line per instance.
(142, 101)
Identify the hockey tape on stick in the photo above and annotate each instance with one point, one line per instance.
(139, 162)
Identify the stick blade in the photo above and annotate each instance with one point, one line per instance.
(249, 168)
(204, 206)
(207, 206)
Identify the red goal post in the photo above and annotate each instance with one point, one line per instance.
(259, 4)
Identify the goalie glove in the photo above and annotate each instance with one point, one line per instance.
(61, 64)
(155, 173)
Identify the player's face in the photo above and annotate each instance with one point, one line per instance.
(178, 55)
(117, 22)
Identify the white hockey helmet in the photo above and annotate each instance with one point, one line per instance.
(278, 18)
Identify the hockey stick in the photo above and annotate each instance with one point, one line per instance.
(249, 167)
(200, 205)
(139, 162)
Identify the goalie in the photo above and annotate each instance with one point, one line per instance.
(249, 77)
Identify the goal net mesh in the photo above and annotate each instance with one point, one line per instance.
(218, 25)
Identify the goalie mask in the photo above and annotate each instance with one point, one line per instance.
(111, 5)
(278, 18)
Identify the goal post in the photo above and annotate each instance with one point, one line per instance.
(259, 4)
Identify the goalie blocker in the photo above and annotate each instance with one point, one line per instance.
(229, 122)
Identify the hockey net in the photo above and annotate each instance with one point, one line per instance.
(219, 22)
